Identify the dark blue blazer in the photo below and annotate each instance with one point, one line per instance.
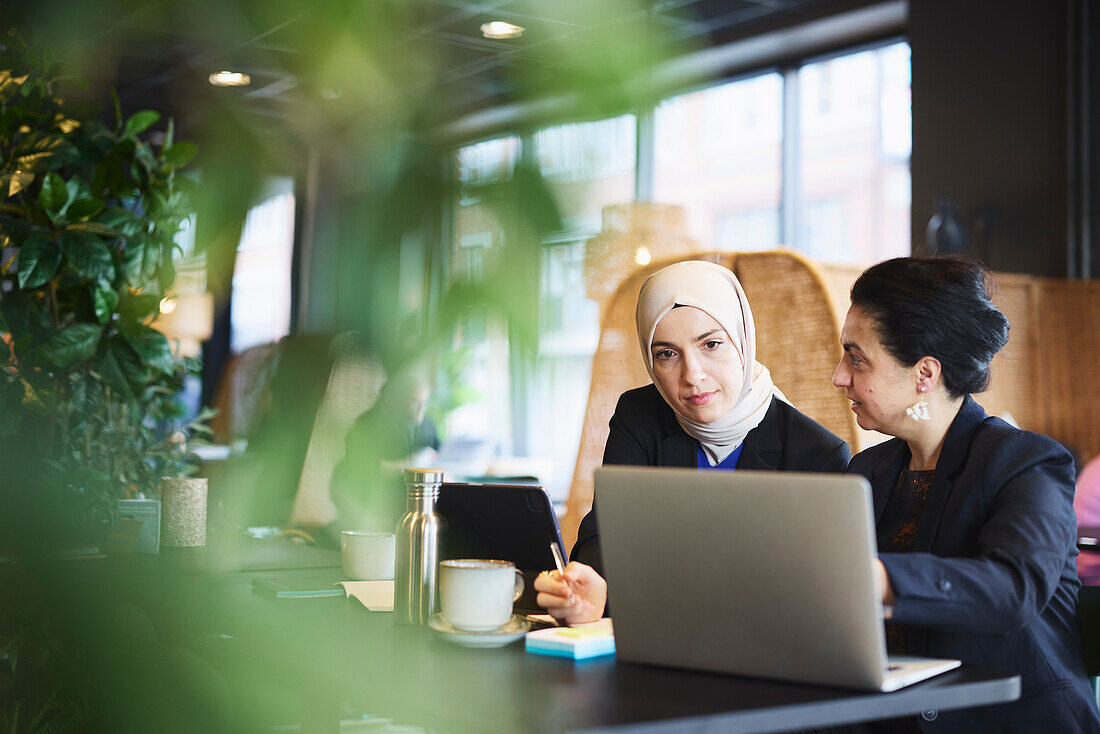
(991, 578)
(644, 432)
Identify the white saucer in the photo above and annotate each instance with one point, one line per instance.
(512, 630)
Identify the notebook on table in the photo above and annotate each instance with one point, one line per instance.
(765, 574)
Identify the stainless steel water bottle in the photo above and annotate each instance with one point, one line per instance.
(419, 538)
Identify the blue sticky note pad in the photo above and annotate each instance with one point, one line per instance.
(576, 643)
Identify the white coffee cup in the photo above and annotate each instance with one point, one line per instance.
(367, 555)
(476, 594)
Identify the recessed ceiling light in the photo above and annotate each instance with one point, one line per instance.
(501, 29)
(230, 79)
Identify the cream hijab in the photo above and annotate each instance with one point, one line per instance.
(714, 290)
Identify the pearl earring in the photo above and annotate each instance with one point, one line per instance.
(918, 411)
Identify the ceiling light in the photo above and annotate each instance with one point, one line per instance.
(642, 256)
(167, 304)
(230, 79)
(501, 29)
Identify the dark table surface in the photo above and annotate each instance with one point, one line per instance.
(246, 658)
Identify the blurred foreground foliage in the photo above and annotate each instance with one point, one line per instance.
(365, 132)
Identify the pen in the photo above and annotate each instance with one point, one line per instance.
(560, 563)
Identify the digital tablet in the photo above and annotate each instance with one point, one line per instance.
(502, 521)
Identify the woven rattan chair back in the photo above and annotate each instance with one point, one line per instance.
(798, 335)
(242, 393)
(797, 338)
(1068, 355)
(353, 386)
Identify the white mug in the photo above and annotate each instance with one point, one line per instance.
(477, 595)
(367, 556)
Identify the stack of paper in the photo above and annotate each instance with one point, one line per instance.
(376, 596)
(578, 643)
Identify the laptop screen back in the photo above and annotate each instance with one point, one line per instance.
(758, 573)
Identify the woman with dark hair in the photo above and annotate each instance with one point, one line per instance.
(711, 406)
(974, 518)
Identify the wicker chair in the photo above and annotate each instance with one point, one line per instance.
(798, 337)
(242, 393)
(1044, 375)
(353, 386)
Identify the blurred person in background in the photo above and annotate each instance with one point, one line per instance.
(368, 486)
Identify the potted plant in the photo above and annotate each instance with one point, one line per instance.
(88, 215)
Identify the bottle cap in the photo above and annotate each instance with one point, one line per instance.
(419, 475)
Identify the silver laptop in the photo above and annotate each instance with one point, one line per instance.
(765, 574)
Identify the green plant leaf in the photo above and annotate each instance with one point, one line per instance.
(72, 345)
(66, 124)
(105, 301)
(169, 136)
(81, 204)
(111, 371)
(41, 152)
(166, 270)
(19, 181)
(132, 258)
(9, 84)
(54, 195)
(137, 307)
(89, 255)
(83, 208)
(151, 260)
(39, 259)
(122, 369)
(122, 220)
(151, 346)
(35, 87)
(38, 392)
(144, 155)
(139, 122)
(179, 155)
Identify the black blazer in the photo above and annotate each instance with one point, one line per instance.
(992, 576)
(644, 432)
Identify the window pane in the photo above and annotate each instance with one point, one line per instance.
(478, 395)
(855, 145)
(719, 155)
(477, 230)
(488, 161)
(260, 310)
(588, 166)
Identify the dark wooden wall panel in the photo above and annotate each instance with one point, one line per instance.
(989, 126)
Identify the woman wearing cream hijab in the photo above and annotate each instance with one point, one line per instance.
(711, 406)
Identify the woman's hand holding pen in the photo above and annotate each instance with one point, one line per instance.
(587, 588)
